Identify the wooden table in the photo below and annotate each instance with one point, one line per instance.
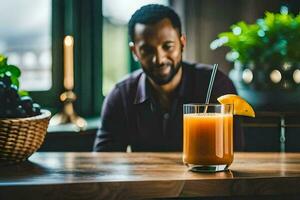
(148, 175)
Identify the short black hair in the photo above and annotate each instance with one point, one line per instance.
(151, 14)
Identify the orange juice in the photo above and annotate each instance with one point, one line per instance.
(208, 138)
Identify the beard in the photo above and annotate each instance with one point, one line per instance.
(162, 79)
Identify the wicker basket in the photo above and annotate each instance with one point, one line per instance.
(21, 137)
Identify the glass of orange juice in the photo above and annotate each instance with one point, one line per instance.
(208, 136)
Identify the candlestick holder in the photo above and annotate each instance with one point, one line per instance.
(68, 114)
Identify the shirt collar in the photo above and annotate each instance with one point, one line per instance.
(142, 93)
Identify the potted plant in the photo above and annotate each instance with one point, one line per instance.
(266, 57)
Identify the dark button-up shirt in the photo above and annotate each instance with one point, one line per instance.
(132, 116)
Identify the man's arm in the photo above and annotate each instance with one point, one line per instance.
(111, 136)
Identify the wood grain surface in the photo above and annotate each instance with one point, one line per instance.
(146, 175)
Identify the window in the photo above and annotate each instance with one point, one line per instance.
(33, 40)
(31, 35)
(25, 37)
(116, 54)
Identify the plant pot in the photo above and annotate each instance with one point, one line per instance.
(265, 94)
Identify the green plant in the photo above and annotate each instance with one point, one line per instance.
(11, 71)
(13, 102)
(272, 40)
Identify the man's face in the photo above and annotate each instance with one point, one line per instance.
(158, 47)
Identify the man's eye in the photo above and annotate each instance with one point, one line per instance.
(168, 47)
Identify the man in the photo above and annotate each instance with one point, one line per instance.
(145, 109)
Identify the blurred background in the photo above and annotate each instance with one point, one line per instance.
(32, 32)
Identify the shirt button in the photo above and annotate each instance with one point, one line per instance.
(166, 116)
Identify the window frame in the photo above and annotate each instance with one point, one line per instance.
(83, 20)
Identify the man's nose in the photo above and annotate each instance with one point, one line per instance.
(158, 57)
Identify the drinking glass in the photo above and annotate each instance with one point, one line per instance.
(207, 137)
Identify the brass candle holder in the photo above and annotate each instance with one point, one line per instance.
(68, 114)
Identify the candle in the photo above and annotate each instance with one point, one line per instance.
(68, 63)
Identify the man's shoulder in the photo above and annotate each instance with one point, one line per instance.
(125, 89)
(198, 70)
(201, 73)
(201, 69)
(130, 80)
(198, 75)
(197, 67)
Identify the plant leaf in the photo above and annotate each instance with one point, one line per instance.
(14, 70)
(3, 60)
(15, 80)
(23, 93)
